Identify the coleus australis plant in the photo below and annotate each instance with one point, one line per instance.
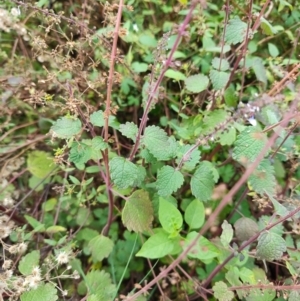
(167, 178)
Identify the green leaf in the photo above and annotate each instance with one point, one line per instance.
(86, 234)
(169, 216)
(159, 144)
(228, 137)
(273, 50)
(196, 83)
(262, 179)
(80, 153)
(193, 159)
(100, 247)
(129, 130)
(267, 27)
(139, 67)
(97, 119)
(100, 286)
(66, 127)
(259, 69)
(157, 246)
(236, 31)
(123, 172)
(220, 64)
(148, 39)
(137, 214)
(204, 250)
(282, 5)
(202, 182)
(270, 246)
(40, 163)
(245, 228)
(195, 214)
(221, 292)
(49, 205)
(141, 174)
(55, 229)
(227, 234)
(211, 121)
(279, 209)
(294, 295)
(74, 180)
(233, 277)
(174, 74)
(45, 292)
(249, 144)
(35, 224)
(230, 96)
(28, 262)
(169, 180)
(99, 144)
(219, 79)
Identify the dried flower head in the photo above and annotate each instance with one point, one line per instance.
(62, 257)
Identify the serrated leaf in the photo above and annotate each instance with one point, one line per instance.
(196, 83)
(174, 74)
(236, 31)
(245, 228)
(169, 216)
(45, 292)
(66, 127)
(248, 145)
(157, 246)
(270, 246)
(99, 144)
(233, 277)
(219, 79)
(266, 220)
(227, 234)
(159, 144)
(168, 180)
(294, 295)
(204, 250)
(195, 214)
(40, 163)
(220, 64)
(202, 182)
(129, 130)
(137, 214)
(80, 153)
(97, 119)
(262, 179)
(100, 247)
(28, 262)
(100, 285)
(123, 172)
(141, 174)
(193, 159)
(211, 121)
(221, 292)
